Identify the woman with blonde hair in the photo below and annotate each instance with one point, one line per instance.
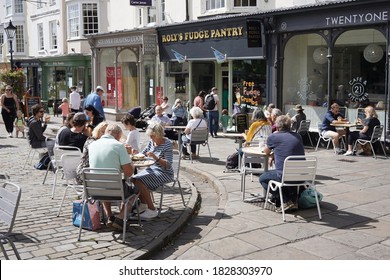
(368, 123)
(97, 132)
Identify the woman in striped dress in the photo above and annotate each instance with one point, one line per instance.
(149, 179)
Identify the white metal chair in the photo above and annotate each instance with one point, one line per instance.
(326, 139)
(105, 184)
(375, 137)
(10, 194)
(50, 150)
(200, 136)
(297, 171)
(69, 165)
(304, 128)
(176, 170)
(56, 162)
(248, 161)
(32, 150)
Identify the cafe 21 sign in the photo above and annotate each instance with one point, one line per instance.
(358, 89)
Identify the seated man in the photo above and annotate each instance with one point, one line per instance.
(164, 121)
(108, 152)
(36, 127)
(329, 131)
(283, 143)
(76, 135)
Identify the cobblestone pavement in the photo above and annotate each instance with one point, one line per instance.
(355, 210)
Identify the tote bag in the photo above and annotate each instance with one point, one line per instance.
(91, 216)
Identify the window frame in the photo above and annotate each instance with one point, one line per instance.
(19, 39)
(53, 31)
(41, 39)
(215, 4)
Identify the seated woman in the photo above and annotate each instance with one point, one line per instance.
(97, 132)
(259, 128)
(149, 179)
(133, 138)
(94, 117)
(179, 113)
(196, 121)
(368, 123)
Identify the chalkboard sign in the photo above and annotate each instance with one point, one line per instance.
(241, 122)
(29, 102)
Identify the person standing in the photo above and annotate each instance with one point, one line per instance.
(64, 106)
(297, 118)
(283, 143)
(199, 101)
(74, 100)
(95, 99)
(9, 105)
(211, 106)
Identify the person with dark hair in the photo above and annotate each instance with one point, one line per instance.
(36, 127)
(279, 146)
(133, 138)
(95, 99)
(77, 135)
(9, 105)
(94, 117)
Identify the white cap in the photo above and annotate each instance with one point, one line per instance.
(99, 88)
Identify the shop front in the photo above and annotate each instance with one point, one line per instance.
(342, 57)
(228, 53)
(60, 73)
(33, 71)
(124, 64)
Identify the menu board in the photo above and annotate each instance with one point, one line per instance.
(241, 122)
(29, 102)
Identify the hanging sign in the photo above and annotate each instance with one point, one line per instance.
(254, 33)
(140, 2)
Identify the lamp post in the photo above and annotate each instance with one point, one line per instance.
(11, 30)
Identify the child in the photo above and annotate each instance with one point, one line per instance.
(225, 120)
(64, 109)
(19, 123)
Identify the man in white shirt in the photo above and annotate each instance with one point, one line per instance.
(74, 100)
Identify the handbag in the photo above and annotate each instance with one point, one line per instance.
(307, 198)
(91, 216)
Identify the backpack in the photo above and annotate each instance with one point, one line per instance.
(43, 163)
(232, 161)
(209, 103)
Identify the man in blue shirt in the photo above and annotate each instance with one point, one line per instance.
(94, 99)
(329, 131)
(283, 143)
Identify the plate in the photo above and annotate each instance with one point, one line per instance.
(138, 157)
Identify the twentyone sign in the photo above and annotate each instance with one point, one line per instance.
(358, 89)
(141, 2)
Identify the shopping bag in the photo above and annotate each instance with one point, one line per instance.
(307, 199)
(91, 216)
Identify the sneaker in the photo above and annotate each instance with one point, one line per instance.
(359, 152)
(141, 208)
(287, 205)
(10, 135)
(148, 214)
(348, 153)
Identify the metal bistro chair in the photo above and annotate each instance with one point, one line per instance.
(200, 136)
(248, 162)
(58, 152)
(176, 171)
(50, 150)
(10, 194)
(32, 150)
(69, 166)
(304, 128)
(297, 171)
(326, 139)
(375, 137)
(105, 184)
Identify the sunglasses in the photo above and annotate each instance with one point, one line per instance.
(41, 111)
(8, 89)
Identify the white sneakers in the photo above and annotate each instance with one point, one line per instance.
(141, 208)
(148, 214)
(348, 153)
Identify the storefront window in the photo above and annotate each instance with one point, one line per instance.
(127, 79)
(107, 76)
(177, 77)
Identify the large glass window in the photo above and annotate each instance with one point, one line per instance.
(215, 4)
(245, 3)
(8, 7)
(53, 34)
(18, 7)
(41, 44)
(19, 38)
(82, 19)
(90, 18)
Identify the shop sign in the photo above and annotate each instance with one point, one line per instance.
(358, 90)
(248, 94)
(140, 2)
(254, 33)
(119, 41)
(218, 33)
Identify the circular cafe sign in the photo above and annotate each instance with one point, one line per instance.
(358, 89)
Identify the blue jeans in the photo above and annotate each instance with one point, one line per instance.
(289, 193)
(212, 118)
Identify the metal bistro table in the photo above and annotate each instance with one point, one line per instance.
(347, 126)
